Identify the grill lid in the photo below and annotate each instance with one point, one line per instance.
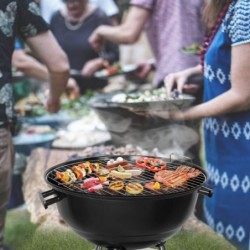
(126, 179)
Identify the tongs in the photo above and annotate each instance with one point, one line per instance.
(75, 72)
(175, 94)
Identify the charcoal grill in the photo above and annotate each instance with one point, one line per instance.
(119, 220)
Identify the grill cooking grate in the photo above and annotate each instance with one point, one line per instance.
(145, 177)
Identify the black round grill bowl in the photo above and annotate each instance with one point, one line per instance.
(123, 222)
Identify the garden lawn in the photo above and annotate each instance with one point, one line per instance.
(21, 234)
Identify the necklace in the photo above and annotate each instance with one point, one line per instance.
(71, 26)
(210, 35)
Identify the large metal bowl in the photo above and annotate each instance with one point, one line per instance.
(148, 132)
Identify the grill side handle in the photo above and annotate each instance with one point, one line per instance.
(57, 197)
(205, 191)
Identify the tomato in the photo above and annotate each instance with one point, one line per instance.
(113, 69)
(141, 162)
(155, 165)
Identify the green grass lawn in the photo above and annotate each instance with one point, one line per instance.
(20, 234)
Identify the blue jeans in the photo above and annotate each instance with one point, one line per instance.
(6, 166)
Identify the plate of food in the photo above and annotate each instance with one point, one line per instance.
(193, 49)
(152, 100)
(115, 69)
(80, 139)
(26, 142)
(30, 106)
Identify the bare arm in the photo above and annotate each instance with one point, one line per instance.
(126, 33)
(29, 65)
(235, 99)
(46, 48)
(33, 68)
(179, 79)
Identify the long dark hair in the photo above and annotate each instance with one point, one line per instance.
(212, 10)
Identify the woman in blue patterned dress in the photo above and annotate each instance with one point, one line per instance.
(226, 117)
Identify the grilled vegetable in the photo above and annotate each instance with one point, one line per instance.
(79, 172)
(141, 162)
(134, 188)
(103, 178)
(87, 166)
(153, 185)
(120, 169)
(103, 171)
(116, 185)
(134, 172)
(95, 167)
(155, 165)
(66, 177)
(121, 175)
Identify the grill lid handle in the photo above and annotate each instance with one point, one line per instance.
(206, 191)
(57, 197)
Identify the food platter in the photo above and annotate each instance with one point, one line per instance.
(115, 70)
(84, 132)
(53, 120)
(25, 143)
(193, 49)
(151, 100)
(28, 139)
(79, 140)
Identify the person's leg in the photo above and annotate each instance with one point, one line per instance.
(6, 165)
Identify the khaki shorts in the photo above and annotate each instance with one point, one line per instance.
(6, 166)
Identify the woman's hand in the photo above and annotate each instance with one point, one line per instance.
(92, 66)
(143, 70)
(179, 80)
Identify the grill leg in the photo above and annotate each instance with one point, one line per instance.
(161, 246)
(98, 248)
(115, 248)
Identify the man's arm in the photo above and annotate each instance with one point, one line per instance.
(48, 51)
(29, 65)
(126, 33)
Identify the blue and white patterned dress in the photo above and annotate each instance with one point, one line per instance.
(227, 138)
